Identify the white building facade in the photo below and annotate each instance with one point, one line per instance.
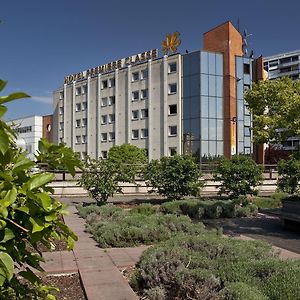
(29, 131)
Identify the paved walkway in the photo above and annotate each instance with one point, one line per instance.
(99, 269)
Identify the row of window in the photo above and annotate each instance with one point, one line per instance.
(107, 119)
(81, 90)
(80, 139)
(81, 123)
(23, 129)
(81, 106)
(136, 114)
(111, 136)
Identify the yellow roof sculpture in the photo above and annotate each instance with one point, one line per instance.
(171, 43)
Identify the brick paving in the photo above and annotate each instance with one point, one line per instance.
(99, 268)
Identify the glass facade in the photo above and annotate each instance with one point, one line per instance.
(244, 120)
(203, 104)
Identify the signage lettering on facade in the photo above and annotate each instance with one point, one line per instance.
(118, 64)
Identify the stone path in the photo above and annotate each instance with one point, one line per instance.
(99, 269)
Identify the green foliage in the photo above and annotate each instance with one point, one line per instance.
(100, 179)
(129, 161)
(239, 176)
(274, 104)
(174, 177)
(198, 267)
(115, 227)
(289, 172)
(28, 216)
(210, 209)
(269, 202)
(57, 157)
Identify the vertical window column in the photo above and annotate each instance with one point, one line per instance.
(179, 117)
(98, 107)
(64, 113)
(73, 124)
(149, 121)
(88, 144)
(129, 97)
(116, 107)
(165, 106)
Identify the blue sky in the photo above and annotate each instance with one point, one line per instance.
(43, 41)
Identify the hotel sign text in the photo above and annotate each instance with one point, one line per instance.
(118, 64)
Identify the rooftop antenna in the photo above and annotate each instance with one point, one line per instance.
(246, 35)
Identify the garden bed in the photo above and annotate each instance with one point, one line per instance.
(69, 285)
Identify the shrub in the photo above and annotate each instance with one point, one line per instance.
(129, 161)
(242, 291)
(239, 176)
(267, 202)
(100, 179)
(192, 267)
(290, 176)
(145, 209)
(209, 209)
(174, 176)
(114, 227)
(29, 216)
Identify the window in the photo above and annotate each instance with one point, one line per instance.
(84, 122)
(172, 109)
(111, 100)
(144, 133)
(172, 130)
(144, 113)
(61, 110)
(78, 107)
(135, 134)
(112, 82)
(135, 76)
(104, 154)
(144, 74)
(172, 88)
(111, 118)
(61, 95)
(172, 68)
(111, 136)
(172, 151)
(246, 68)
(246, 87)
(78, 91)
(104, 137)
(135, 96)
(84, 105)
(78, 139)
(135, 115)
(61, 125)
(77, 123)
(84, 139)
(104, 102)
(84, 89)
(144, 94)
(104, 84)
(61, 140)
(103, 119)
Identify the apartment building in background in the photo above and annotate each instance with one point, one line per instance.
(184, 103)
(278, 66)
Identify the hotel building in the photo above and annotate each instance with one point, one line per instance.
(179, 103)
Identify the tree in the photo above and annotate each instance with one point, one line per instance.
(275, 106)
(28, 216)
(128, 159)
(289, 179)
(174, 177)
(238, 176)
(100, 179)
(57, 157)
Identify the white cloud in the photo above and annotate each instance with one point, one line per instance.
(42, 99)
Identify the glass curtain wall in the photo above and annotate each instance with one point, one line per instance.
(203, 106)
